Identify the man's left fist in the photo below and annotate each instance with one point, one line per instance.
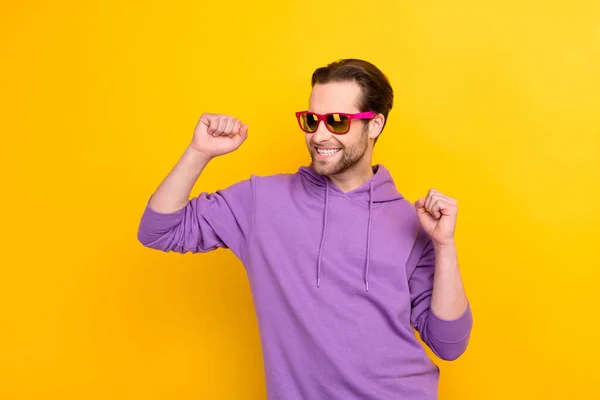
(437, 214)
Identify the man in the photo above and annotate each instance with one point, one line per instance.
(340, 265)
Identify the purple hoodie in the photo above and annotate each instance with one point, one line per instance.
(338, 279)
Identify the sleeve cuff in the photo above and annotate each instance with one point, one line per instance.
(161, 221)
(451, 331)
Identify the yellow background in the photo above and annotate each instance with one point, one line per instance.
(497, 104)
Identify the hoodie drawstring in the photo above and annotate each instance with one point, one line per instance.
(368, 261)
(323, 234)
(368, 258)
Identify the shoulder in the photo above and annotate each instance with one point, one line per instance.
(274, 182)
(260, 181)
(274, 178)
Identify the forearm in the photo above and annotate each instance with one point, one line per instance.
(449, 300)
(174, 191)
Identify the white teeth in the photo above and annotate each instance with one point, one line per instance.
(327, 152)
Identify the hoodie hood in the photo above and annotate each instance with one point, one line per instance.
(383, 187)
(379, 189)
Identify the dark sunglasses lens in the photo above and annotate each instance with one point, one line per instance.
(338, 123)
(309, 122)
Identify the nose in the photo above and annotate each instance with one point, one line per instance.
(322, 134)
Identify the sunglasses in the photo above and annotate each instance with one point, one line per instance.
(338, 123)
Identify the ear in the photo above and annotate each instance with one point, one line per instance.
(376, 126)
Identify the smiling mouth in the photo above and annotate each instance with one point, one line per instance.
(327, 152)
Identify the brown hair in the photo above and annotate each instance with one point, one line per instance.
(377, 93)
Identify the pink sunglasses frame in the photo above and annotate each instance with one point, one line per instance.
(323, 117)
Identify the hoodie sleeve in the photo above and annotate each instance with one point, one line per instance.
(448, 339)
(209, 221)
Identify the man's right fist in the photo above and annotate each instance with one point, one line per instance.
(217, 134)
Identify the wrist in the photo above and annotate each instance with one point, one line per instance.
(448, 246)
(197, 156)
(446, 257)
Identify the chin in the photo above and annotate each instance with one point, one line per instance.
(325, 169)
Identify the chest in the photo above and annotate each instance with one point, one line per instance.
(343, 238)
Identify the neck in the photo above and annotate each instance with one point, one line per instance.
(354, 177)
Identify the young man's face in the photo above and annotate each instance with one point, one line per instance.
(333, 154)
